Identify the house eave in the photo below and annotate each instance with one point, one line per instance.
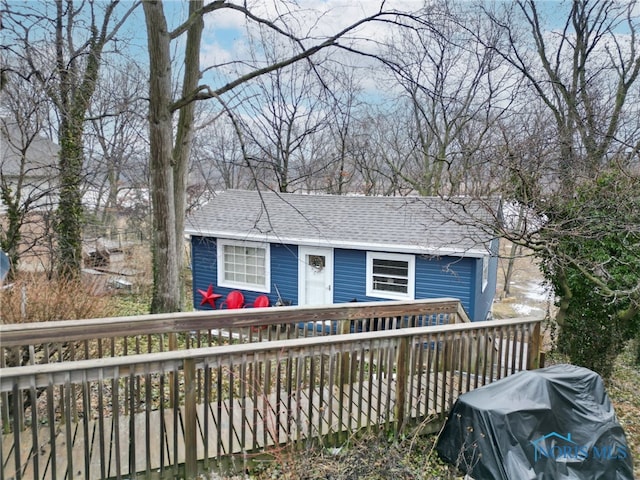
(474, 252)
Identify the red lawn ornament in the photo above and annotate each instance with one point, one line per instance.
(261, 301)
(209, 297)
(234, 300)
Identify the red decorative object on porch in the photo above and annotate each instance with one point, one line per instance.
(261, 301)
(209, 297)
(234, 300)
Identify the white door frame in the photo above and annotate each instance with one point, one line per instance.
(303, 251)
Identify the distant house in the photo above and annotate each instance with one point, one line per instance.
(324, 249)
(31, 162)
(29, 173)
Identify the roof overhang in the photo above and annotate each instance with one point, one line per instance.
(474, 252)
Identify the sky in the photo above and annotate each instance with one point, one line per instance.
(225, 37)
(226, 40)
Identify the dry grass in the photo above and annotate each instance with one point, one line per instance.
(624, 391)
(369, 457)
(35, 298)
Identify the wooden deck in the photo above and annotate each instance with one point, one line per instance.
(173, 395)
(271, 420)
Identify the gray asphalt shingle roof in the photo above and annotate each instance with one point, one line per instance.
(41, 156)
(430, 225)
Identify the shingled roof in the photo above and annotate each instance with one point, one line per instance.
(429, 225)
(41, 156)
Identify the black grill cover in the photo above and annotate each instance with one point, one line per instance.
(554, 423)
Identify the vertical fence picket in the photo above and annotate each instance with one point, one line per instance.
(101, 425)
(330, 389)
(51, 420)
(402, 379)
(86, 417)
(34, 430)
(218, 419)
(360, 375)
(206, 422)
(190, 419)
(533, 347)
(174, 404)
(17, 429)
(389, 383)
(242, 397)
(500, 355)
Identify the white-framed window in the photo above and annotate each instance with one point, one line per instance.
(391, 275)
(485, 272)
(244, 265)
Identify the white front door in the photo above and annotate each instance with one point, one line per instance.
(315, 277)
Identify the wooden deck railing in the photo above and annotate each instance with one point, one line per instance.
(33, 343)
(170, 413)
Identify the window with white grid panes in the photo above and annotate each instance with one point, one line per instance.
(243, 265)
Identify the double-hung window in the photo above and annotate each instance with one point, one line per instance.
(244, 265)
(390, 275)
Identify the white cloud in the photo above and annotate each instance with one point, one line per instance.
(307, 18)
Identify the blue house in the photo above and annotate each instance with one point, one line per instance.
(322, 249)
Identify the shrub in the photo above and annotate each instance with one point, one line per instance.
(34, 298)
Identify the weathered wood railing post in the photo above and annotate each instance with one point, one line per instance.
(533, 349)
(402, 377)
(461, 315)
(173, 345)
(344, 370)
(190, 420)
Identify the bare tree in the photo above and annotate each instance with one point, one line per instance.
(115, 137)
(456, 92)
(74, 35)
(585, 73)
(218, 161)
(169, 154)
(385, 151)
(342, 143)
(283, 117)
(28, 179)
(299, 121)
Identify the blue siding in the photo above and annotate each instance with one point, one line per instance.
(284, 273)
(203, 268)
(445, 277)
(435, 277)
(204, 265)
(349, 276)
(485, 299)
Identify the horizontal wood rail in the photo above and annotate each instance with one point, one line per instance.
(115, 336)
(175, 413)
(72, 330)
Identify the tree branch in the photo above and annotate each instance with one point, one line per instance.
(205, 92)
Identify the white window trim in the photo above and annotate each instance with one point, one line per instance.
(411, 262)
(485, 272)
(264, 288)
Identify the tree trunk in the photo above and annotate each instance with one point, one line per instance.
(166, 292)
(69, 216)
(184, 135)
